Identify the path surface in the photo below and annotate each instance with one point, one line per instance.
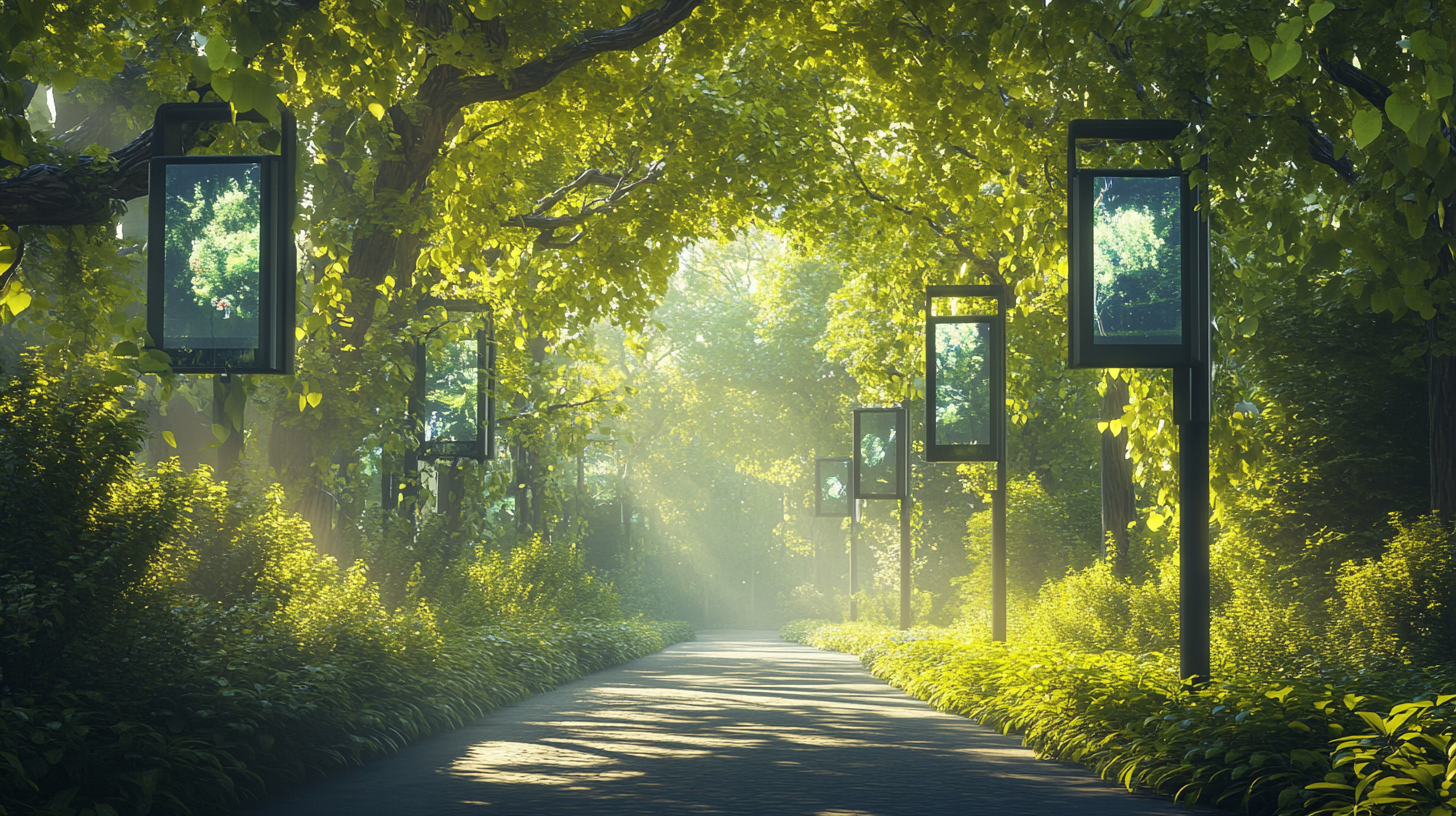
(737, 723)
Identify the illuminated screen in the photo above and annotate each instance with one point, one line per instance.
(833, 488)
(213, 270)
(879, 466)
(963, 383)
(451, 399)
(1137, 260)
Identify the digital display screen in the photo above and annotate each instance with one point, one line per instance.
(213, 261)
(833, 477)
(452, 394)
(879, 463)
(963, 383)
(1137, 260)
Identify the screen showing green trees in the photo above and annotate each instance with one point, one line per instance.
(452, 392)
(833, 477)
(879, 463)
(963, 383)
(213, 249)
(1137, 260)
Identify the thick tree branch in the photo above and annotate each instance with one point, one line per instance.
(1345, 73)
(462, 91)
(1322, 150)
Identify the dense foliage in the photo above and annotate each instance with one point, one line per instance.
(172, 644)
(1322, 743)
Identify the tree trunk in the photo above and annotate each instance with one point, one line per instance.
(1119, 509)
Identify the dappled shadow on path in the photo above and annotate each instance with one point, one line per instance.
(737, 723)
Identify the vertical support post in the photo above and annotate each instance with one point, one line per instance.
(1194, 612)
(853, 559)
(906, 559)
(230, 450)
(998, 555)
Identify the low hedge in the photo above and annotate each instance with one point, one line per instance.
(1372, 743)
(204, 746)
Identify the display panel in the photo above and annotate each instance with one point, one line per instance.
(1137, 260)
(453, 398)
(831, 496)
(963, 382)
(880, 453)
(217, 263)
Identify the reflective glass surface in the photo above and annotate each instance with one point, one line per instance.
(963, 383)
(451, 404)
(833, 488)
(1137, 260)
(212, 255)
(879, 466)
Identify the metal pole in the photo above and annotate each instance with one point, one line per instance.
(1194, 611)
(906, 557)
(853, 559)
(998, 555)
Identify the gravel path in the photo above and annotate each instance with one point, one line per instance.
(737, 723)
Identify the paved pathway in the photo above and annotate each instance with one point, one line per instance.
(737, 723)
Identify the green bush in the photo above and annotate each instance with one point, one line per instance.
(1095, 610)
(171, 645)
(535, 582)
(1401, 606)
(1244, 741)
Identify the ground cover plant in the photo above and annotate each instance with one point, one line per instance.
(1377, 742)
(173, 644)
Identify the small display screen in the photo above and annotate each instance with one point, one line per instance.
(452, 390)
(213, 269)
(963, 383)
(1137, 260)
(878, 465)
(833, 487)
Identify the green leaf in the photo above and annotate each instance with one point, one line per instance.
(220, 432)
(1227, 42)
(18, 301)
(170, 438)
(1259, 49)
(1438, 85)
(1402, 111)
(376, 109)
(1367, 125)
(1283, 58)
(1153, 7)
(1318, 11)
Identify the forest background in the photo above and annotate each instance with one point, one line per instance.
(704, 232)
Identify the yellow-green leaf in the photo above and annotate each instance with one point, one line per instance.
(1318, 11)
(1154, 6)
(1367, 125)
(1402, 111)
(314, 399)
(18, 302)
(170, 438)
(376, 109)
(220, 432)
(1283, 58)
(1259, 49)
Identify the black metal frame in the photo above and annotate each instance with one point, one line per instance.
(819, 465)
(1083, 350)
(482, 448)
(278, 259)
(902, 455)
(995, 450)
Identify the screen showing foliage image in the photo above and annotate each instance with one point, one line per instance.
(963, 383)
(834, 488)
(878, 468)
(213, 256)
(452, 372)
(1137, 260)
